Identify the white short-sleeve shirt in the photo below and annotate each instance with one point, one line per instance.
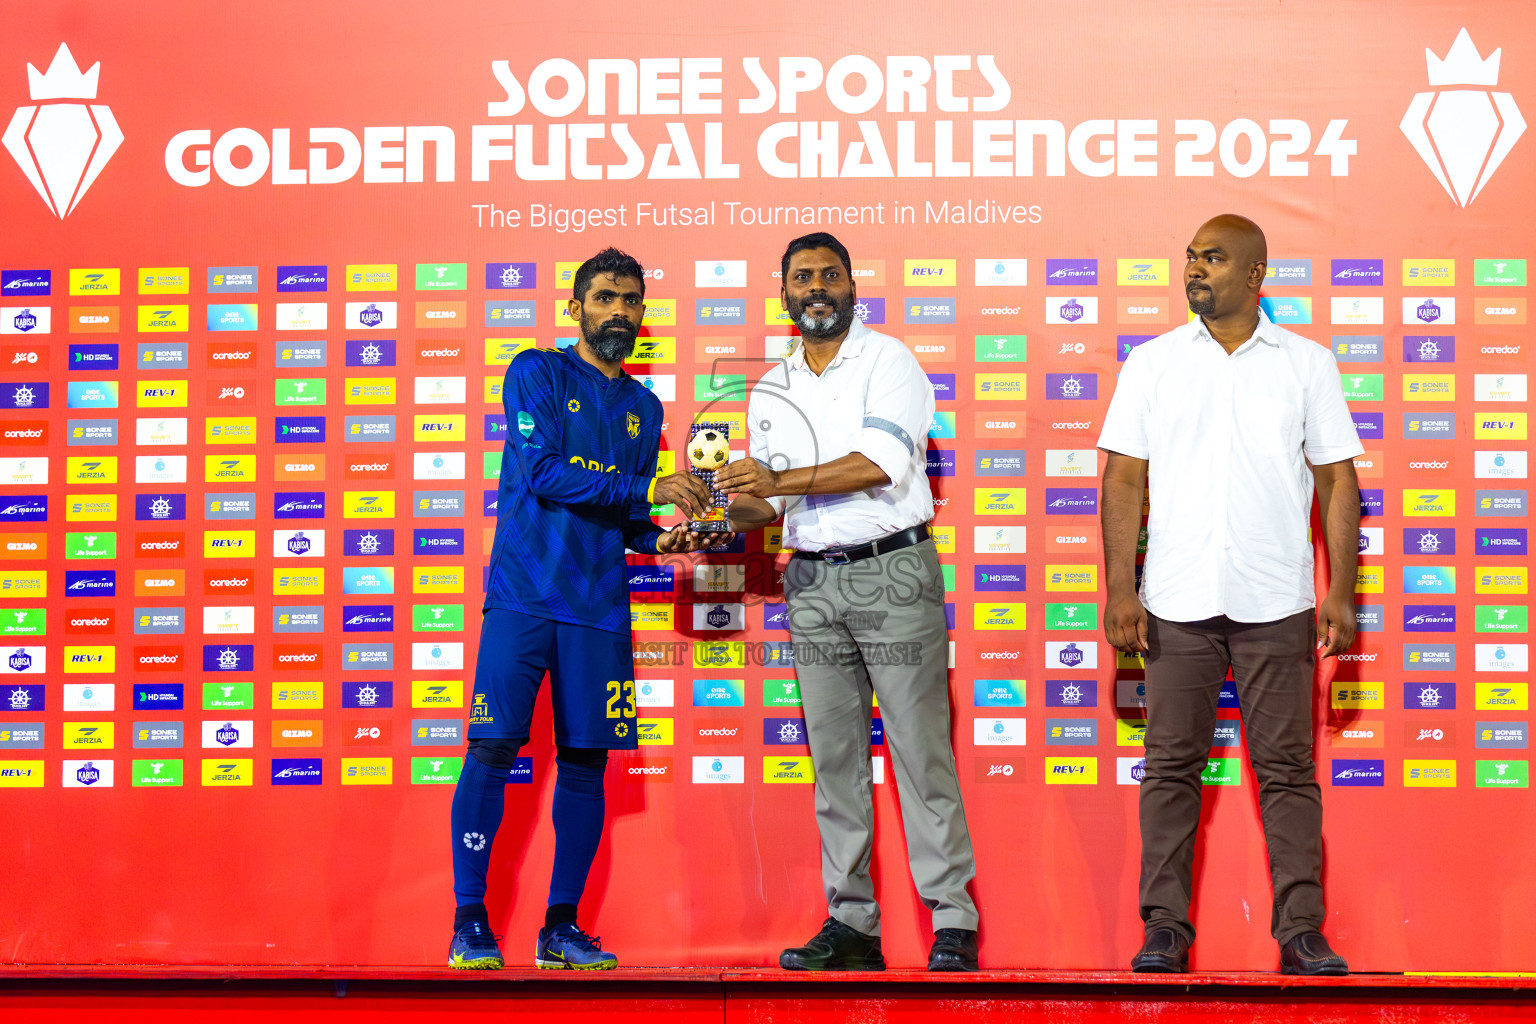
(1228, 440)
(872, 398)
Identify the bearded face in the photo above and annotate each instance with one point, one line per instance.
(611, 337)
(819, 315)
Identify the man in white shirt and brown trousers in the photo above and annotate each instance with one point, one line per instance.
(1232, 420)
(838, 445)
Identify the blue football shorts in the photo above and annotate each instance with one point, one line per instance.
(591, 681)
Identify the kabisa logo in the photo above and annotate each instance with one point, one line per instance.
(1071, 656)
(1463, 134)
(60, 146)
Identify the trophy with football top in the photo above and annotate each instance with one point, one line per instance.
(709, 449)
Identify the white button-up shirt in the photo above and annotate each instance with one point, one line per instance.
(872, 398)
(1228, 440)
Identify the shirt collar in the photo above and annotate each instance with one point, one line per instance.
(1266, 331)
(851, 348)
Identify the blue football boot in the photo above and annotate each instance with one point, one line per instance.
(474, 949)
(566, 946)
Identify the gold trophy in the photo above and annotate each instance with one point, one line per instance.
(709, 449)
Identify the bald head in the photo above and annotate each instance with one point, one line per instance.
(1224, 268)
(1245, 238)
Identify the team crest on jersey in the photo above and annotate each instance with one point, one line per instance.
(633, 423)
(620, 729)
(524, 424)
(573, 405)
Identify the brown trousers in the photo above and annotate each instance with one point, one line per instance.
(1272, 663)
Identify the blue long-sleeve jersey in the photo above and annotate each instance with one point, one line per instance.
(580, 457)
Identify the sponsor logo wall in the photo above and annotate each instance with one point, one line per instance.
(244, 523)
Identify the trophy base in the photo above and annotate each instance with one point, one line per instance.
(709, 526)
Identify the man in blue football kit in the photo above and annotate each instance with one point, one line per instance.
(578, 480)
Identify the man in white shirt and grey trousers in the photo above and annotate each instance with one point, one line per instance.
(838, 445)
(1233, 420)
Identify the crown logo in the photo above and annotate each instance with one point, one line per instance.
(1463, 134)
(64, 80)
(61, 146)
(1462, 64)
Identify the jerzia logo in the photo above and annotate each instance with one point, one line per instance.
(61, 146)
(1463, 134)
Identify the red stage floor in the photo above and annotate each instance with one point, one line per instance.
(175, 994)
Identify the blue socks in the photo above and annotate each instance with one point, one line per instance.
(578, 814)
(478, 803)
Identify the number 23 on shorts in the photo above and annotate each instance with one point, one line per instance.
(621, 698)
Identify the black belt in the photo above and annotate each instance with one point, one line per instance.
(883, 545)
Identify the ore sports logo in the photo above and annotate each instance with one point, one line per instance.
(1463, 133)
(59, 143)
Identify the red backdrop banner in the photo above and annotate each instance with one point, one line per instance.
(263, 271)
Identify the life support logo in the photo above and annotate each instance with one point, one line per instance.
(1463, 134)
(61, 146)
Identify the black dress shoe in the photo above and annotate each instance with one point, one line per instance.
(1165, 952)
(836, 947)
(954, 949)
(1309, 953)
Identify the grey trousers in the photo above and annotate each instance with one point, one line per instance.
(876, 627)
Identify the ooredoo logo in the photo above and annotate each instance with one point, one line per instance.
(1463, 134)
(93, 620)
(287, 657)
(61, 146)
(228, 582)
(371, 467)
(159, 659)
